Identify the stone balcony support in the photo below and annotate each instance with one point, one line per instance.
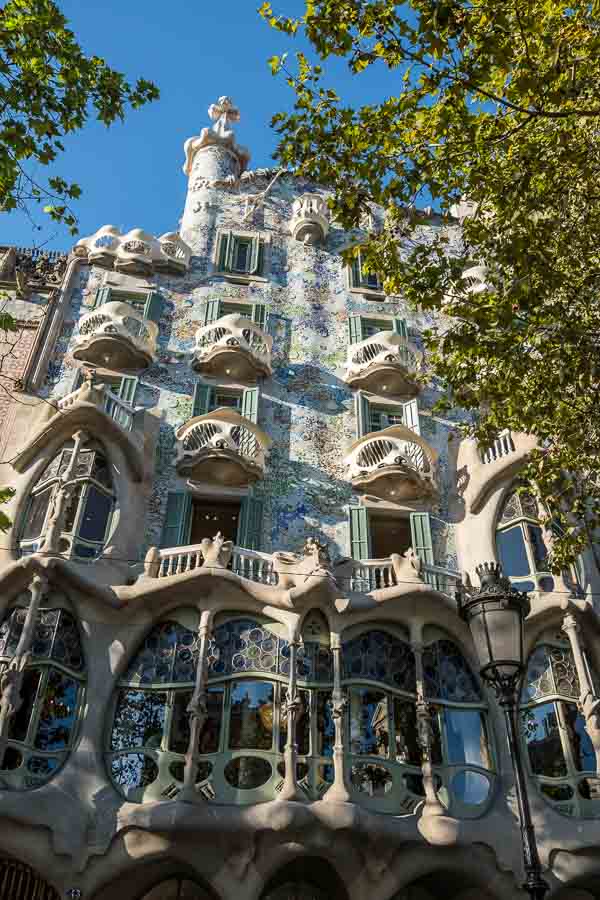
(235, 347)
(223, 447)
(393, 464)
(385, 363)
(116, 336)
(486, 468)
(310, 219)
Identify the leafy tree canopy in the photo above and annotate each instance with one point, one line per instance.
(48, 89)
(500, 103)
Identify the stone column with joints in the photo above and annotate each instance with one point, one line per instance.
(11, 683)
(432, 807)
(590, 703)
(290, 710)
(197, 710)
(61, 499)
(338, 792)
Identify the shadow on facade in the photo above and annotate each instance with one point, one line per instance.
(160, 879)
(307, 878)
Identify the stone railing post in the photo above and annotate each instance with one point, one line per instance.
(432, 807)
(290, 710)
(590, 704)
(197, 711)
(338, 792)
(11, 682)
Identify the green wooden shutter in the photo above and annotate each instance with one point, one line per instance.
(178, 520)
(153, 307)
(411, 416)
(355, 272)
(420, 529)
(225, 251)
(102, 296)
(360, 537)
(399, 327)
(203, 399)
(127, 389)
(260, 315)
(249, 533)
(210, 311)
(363, 414)
(250, 404)
(355, 332)
(255, 255)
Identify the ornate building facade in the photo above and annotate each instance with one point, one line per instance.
(232, 663)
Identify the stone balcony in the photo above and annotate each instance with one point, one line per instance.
(310, 219)
(136, 253)
(485, 468)
(222, 447)
(385, 363)
(393, 464)
(116, 336)
(235, 347)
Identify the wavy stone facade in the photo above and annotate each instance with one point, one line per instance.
(232, 665)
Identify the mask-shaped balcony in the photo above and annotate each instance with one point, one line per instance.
(233, 346)
(222, 447)
(385, 363)
(393, 464)
(310, 219)
(116, 336)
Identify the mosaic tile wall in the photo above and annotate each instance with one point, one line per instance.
(306, 407)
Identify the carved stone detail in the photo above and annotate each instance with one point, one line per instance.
(216, 552)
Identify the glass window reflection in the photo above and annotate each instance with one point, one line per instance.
(405, 726)
(139, 720)
(369, 722)
(251, 715)
(512, 553)
(540, 726)
(466, 736)
(325, 724)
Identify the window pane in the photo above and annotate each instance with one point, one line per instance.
(36, 515)
(541, 731)
(466, 735)
(101, 470)
(179, 739)
(95, 517)
(581, 746)
(139, 720)
(540, 553)
(241, 255)
(405, 721)
(57, 715)
(325, 724)
(369, 724)
(251, 715)
(211, 730)
(20, 723)
(511, 551)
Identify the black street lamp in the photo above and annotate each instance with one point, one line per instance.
(495, 613)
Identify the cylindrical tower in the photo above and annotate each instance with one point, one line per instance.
(213, 160)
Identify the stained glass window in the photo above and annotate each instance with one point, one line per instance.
(522, 550)
(87, 498)
(43, 728)
(380, 656)
(559, 748)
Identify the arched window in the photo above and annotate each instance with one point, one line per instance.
(248, 669)
(88, 505)
(150, 730)
(176, 889)
(559, 749)
(461, 752)
(378, 668)
(522, 551)
(43, 729)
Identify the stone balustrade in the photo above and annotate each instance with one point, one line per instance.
(137, 252)
(310, 219)
(385, 363)
(393, 464)
(233, 346)
(118, 410)
(222, 446)
(116, 336)
(502, 446)
(366, 575)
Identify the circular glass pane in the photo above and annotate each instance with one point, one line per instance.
(558, 792)
(471, 787)
(247, 772)
(133, 770)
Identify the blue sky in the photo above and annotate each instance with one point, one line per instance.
(194, 50)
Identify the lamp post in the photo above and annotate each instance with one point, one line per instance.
(495, 613)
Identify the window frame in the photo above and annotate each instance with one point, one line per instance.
(358, 280)
(225, 269)
(538, 577)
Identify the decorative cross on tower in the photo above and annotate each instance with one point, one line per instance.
(223, 113)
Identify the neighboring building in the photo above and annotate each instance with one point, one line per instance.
(232, 665)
